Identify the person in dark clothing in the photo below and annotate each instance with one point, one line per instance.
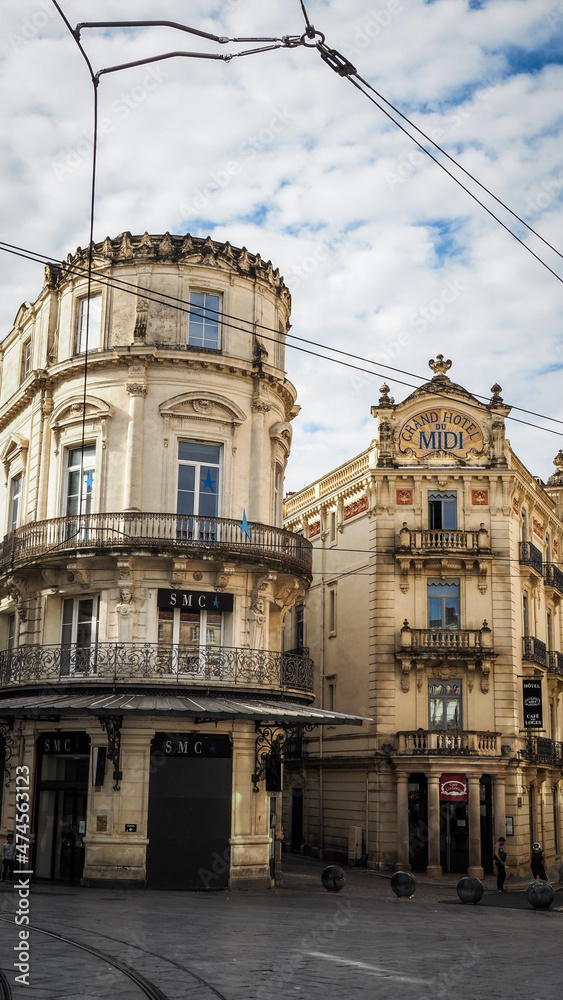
(500, 858)
(8, 859)
(538, 864)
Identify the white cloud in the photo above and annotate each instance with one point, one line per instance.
(367, 259)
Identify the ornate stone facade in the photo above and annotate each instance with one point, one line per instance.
(425, 614)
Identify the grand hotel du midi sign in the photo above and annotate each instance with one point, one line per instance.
(440, 429)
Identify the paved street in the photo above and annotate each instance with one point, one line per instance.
(297, 941)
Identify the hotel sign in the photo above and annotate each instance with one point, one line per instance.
(442, 429)
(532, 698)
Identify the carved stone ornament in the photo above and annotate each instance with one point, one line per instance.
(202, 405)
(439, 366)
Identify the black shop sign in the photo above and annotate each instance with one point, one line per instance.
(192, 745)
(532, 697)
(194, 600)
(62, 743)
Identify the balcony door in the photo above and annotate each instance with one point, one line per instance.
(78, 635)
(79, 492)
(199, 483)
(190, 641)
(443, 604)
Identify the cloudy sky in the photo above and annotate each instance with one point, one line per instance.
(385, 256)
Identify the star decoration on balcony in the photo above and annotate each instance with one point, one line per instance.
(208, 483)
(89, 481)
(245, 526)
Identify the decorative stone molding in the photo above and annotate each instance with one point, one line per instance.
(15, 450)
(222, 578)
(181, 411)
(69, 414)
(356, 507)
(314, 529)
(479, 498)
(404, 498)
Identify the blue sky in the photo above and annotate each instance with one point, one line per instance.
(384, 255)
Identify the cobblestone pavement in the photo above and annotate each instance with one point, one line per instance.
(295, 941)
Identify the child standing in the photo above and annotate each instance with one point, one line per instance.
(8, 859)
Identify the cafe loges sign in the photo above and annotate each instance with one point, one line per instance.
(440, 429)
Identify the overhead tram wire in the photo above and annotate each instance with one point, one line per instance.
(171, 301)
(343, 67)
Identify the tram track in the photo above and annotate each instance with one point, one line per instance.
(148, 988)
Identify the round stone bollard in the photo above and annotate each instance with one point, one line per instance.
(333, 878)
(470, 889)
(403, 884)
(540, 895)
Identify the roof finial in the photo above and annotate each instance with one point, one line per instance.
(439, 366)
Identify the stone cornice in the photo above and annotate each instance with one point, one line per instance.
(71, 368)
(168, 249)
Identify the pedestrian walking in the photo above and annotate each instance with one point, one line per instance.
(500, 858)
(8, 859)
(538, 863)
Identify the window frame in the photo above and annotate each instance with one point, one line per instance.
(25, 361)
(86, 501)
(15, 499)
(79, 657)
(440, 504)
(81, 346)
(445, 698)
(444, 584)
(198, 656)
(191, 341)
(198, 466)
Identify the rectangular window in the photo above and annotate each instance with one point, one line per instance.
(80, 473)
(299, 622)
(278, 496)
(443, 604)
(549, 629)
(89, 324)
(204, 321)
(525, 615)
(444, 705)
(25, 360)
(199, 467)
(16, 489)
(442, 510)
(332, 526)
(78, 635)
(190, 640)
(555, 790)
(11, 635)
(332, 612)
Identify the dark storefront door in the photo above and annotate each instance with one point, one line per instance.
(61, 818)
(189, 823)
(487, 835)
(418, 822)
(454, 840)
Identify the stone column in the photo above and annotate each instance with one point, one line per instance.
(475, 867)
(134, 453)
(434, 868)
(403, 861)
(499, 806)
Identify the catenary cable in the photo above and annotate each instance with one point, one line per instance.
(162, 298)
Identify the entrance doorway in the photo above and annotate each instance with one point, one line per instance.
(454, 840)
(61, 818)
(189, 822)
(418, 822)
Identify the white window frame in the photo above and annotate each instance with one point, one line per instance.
(25, 369)
(16, 500)
(94, 326)
(198, 465)
(191, 340)
(197, 656)
(79, 663)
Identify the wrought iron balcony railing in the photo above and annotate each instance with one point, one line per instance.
(555, 662)
(541, 750)
(531, 556)
(553, 576)
(424, 741)
(156, 663)
(534, 650)
(157, 532)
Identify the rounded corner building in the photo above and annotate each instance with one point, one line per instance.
(145, 425)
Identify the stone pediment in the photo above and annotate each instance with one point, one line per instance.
(73, 411)
(202, 405)
(441, 423)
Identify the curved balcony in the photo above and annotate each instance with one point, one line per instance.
(181, 534)
(449, 743)
(156, 664)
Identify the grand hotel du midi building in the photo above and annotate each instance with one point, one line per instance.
(144, 572)
(435, 612)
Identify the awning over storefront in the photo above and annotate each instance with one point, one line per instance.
(203, 708)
